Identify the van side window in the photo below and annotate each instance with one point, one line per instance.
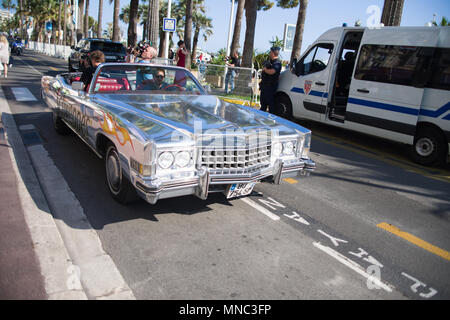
(440, 70)
(315, 60)
(388, 64)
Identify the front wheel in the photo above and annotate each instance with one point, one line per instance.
(430, 147)
(119, 186)
(283, 107)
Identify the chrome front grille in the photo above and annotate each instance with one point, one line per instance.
(236, 160)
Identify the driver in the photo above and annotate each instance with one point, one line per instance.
(157, 83)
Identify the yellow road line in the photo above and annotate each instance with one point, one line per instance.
(290, 180)
(414, 240)
(54, 69)
(433, 173)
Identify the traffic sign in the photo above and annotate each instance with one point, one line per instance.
(169, 24)
(48, 26)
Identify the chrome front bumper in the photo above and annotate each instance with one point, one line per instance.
(205, 183)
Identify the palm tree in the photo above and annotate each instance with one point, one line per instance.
(100, 18)
(133, 22)
(237, 25)
(300, 26)
(153, 21)
(79, 30)
(392, 12)
(116, 27)
(86, 20)
(251, 9)
(188, 31)
(444, 22)
(200, 22)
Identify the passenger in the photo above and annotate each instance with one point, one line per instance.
(96, 58)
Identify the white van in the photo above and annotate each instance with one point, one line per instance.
(390, 82)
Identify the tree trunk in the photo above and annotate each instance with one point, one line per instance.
(298, 38)
(116, 27)
(195, 42)
(132, 24)
(392, 12)
(251, 11)
(64, 42)
(237, 26)
(100, 16)
(86, 20)
(21, 19)
(153, 22)
(79, 30)
(188, 32)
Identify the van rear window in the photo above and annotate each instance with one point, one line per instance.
(388, 64)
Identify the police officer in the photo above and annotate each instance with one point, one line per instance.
(269, 80)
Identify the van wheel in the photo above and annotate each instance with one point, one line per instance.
(119, 186)
(284, 107)
(60, 127)
(430, 147)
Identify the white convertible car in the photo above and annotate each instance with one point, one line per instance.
(162, 135)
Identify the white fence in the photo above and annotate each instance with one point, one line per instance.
(53, 50)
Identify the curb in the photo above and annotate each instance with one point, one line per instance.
(72, 261)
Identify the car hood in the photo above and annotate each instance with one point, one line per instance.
(157, 116)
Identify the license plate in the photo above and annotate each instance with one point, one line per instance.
(240, 189)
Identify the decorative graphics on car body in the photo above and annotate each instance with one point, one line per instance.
(307, 86)
(110, 126)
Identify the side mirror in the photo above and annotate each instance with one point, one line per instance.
(77, 85)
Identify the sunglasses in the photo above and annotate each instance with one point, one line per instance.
(159, 77)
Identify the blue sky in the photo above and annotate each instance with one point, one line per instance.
(321, 16)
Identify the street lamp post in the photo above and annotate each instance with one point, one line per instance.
(166, 49)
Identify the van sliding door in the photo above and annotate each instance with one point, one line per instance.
(383, 100)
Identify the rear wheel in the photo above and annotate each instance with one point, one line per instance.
(430, 147)
(60, 127)
(119, 186)
(70, 67)
(284, 107)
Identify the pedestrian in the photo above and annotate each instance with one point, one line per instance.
(96, 58)
(4, 54)
(131, 55)
(180, 75)
(181, 54)
(269, 80)
(145, 52)
(232, 62)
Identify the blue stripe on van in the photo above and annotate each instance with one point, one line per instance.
(436, 113)
(311, 93)
(384, 106)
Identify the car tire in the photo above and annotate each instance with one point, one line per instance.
(59, 125)
(430, 147)
(119, 186)
(283, 106)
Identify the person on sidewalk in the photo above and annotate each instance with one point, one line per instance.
(269, 80)
(4, 54)
(180, 76)
(96, 58)
(232, 62)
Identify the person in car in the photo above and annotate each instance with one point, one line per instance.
(157, 83)
(96, 58)
(145, 53)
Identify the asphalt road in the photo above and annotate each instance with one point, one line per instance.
(367, 210)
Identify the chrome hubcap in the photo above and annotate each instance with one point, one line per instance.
(424, 147)
(113, 172)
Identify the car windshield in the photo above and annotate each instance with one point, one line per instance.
(108, 47)
(145, 79)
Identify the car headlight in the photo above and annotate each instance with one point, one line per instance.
(182, 159)
(288, 148)
(165, 160)
(277, 148)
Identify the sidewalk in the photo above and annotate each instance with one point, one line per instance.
(20, 274)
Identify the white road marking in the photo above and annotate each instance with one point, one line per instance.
(32, 68)
(23, 94)
(353, 265)
(261, 209)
